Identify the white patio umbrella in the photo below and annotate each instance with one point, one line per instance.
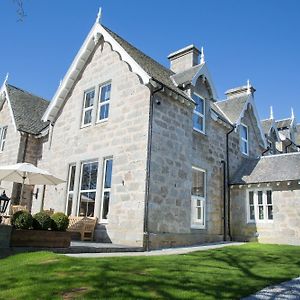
(27, 173)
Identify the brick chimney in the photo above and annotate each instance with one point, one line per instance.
(184, 59)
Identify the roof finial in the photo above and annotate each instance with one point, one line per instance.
(271, 113)
(248, 87)
(98, 19)
(6, 78)
(292, 113)
(202, 57)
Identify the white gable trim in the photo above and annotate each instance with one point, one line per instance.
(204, 71)
(238, 122)
(4, 95)
(78, 64)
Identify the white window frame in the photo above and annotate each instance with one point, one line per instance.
(2, 138)
(256, 206)
(243, 140)
(199, 224)
(85, 109)
(68, 187)
(80, 191)
(199, 114)
(100, 104)
(104, 190)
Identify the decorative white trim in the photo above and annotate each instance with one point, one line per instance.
(4, 93)
(203, 71)
(78, 64)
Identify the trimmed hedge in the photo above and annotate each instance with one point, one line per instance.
(60, 221)
(22, 220)
(42, 221)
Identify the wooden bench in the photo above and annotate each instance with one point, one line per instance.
(84, 225)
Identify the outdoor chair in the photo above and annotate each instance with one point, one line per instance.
(84, 225)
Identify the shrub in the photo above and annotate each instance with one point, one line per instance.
(41, 221)
(22, 220)
(60, 221)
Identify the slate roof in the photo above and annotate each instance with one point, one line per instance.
(27, 109)
(283, 123)
(233, 107)
(149, 65)
(187, 75)
(266, 125)
(273, 168)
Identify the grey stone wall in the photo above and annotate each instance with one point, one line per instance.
(285, 227)
(124, 137)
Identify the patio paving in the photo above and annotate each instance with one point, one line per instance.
(169, 251)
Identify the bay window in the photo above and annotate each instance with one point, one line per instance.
(106, 188)
(88, 187)
(70, 189)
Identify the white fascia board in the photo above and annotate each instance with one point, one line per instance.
(204, 71)
(4, 90)
(252, 103)
(79, 62)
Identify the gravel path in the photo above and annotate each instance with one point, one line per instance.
(286, 290)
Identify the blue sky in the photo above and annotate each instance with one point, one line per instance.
(242, 39)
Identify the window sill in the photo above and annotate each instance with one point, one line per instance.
(86, 125)
(199, 131)
(261, 222)
(102, 121)
(195, 226)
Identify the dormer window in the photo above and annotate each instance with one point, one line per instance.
(199, 114)
(244, 142)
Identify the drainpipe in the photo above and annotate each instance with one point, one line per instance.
(227, 177)
(146, 210)
(223, 162)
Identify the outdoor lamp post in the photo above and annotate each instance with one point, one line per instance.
(4, 200)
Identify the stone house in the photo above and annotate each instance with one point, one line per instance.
(153, 154)
(20, 128)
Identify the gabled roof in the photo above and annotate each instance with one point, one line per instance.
(284, 123)
(267, 125)
(233, 107)
(27, 109)
(271, 168)
(192, 74)
(141, 64)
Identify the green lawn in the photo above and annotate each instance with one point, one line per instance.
(226, 273)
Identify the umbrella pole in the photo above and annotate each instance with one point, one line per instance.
(22, 190)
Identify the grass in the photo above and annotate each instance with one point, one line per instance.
(226, 273)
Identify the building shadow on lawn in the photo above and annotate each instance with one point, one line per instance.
(217, 274)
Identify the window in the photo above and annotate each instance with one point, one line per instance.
(107, 176)
(198, 198)
(199, 114)
(259, 206)
(104, 97)
(88, 186)
(70, 190)
(3, 132)
(244, 139)
(88, 108)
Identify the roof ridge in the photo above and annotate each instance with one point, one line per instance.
(283, 119)
(280, 154)
(131, 45)
(29, 93)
